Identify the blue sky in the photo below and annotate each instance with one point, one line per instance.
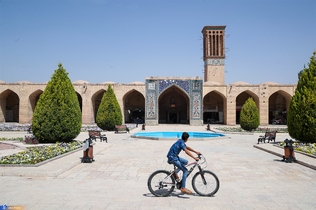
(128, 40)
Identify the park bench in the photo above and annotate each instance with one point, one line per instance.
(121, 128)
(94, 134)
(269, 135)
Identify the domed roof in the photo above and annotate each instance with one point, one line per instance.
(80, 82)
(270, 83)
(240, 83)
(137, 83)
(108, 82)
(24, 82)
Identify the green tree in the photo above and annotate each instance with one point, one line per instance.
(302, 112)
(109, 113)
(57, 115)
(249, 115)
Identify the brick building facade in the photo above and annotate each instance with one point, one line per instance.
(165, 100)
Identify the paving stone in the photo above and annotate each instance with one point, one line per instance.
(250, 177)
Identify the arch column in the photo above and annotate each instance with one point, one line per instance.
(2, 110)
(231, 111)
(87, 110)
(264, 111)
(231, 105)
(225, 111)
(24, 106)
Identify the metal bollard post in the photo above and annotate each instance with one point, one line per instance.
(289, 155)
(87, 152)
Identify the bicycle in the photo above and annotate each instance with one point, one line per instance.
(161, 183)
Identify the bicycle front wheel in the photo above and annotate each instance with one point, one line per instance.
(160, 183)
(205, 183)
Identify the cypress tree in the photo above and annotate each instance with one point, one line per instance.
(109, 113)
(249, 115)
(302, 112)
(57, 115)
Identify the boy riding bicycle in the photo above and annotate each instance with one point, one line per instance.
(173, 158)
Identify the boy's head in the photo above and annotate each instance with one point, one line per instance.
(185, 136)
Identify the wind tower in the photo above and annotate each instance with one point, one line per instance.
(214, 54)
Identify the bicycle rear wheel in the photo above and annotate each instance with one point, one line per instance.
(160, 183)
(206, 184)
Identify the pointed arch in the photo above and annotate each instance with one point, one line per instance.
(241, 99)
(10, 106)
(96, 100)
(214, 106)
(134, 106)
(33, 99)
(173, 106)
(79, 100)
(279, 103)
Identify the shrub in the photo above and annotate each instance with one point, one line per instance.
(109, 113)
(249, 116)
(57, 115)
(302, 112)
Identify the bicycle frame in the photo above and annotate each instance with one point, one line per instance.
(193, 164)
(205, 183)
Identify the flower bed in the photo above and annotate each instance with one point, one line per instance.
(308, 148)
(258, 130)
(36, 154)
(14, 127)
(25, 127)
(27, 140)
(30, 140)
(298, 146)
(13, 139)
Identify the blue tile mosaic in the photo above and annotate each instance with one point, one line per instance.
(183, 84)
(155, 87)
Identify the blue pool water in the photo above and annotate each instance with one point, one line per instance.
(176, 135)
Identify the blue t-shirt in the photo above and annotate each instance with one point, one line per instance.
(175, 150)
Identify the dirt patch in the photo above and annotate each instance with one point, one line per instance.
(5, 146)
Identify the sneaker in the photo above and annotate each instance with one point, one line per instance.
(175, 175)
(186, 191)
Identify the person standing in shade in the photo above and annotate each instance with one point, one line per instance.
(137, 121)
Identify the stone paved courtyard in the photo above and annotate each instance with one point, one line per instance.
(249, 178)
